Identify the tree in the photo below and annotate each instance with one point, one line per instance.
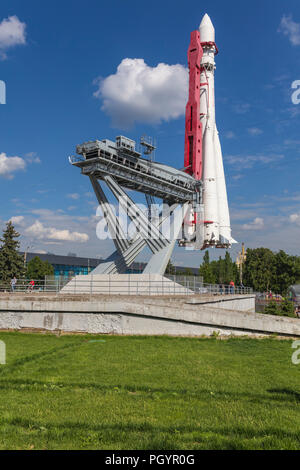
(38, 269)
(11, 262)
(259, 269)
(287, 272)
(188, 272)
(206, 271)
(265, 270)
(221, 271)
(230, 270)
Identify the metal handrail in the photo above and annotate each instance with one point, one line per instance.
(169, 285)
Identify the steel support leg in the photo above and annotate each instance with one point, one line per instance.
(117, 263)
(149, 232)
(159, 261)
(112, 221)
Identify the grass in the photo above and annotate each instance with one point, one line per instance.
(110, 392)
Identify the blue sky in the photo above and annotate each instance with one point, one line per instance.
(52, 55)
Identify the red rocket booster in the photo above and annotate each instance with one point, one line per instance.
(193, 125)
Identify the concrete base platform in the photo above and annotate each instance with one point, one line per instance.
(138, 315)
(124, 284)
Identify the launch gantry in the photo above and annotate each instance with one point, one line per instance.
(121, 167)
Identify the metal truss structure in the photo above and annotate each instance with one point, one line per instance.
(121, 167)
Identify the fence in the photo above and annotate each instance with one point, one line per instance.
(129, 285)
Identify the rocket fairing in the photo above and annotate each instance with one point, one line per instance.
(206, 161)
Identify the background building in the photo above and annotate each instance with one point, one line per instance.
(69, 266)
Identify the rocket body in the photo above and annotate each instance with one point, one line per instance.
(217, 231)
(209, 221)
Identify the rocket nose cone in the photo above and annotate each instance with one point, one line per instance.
(206, 20)
(207, 30)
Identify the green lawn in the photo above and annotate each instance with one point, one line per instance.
(110, 392)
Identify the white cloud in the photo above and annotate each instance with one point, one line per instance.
(32, 157)
(295, 218)
(12, 33)
(140, 93)
(74, 196)
(17, 220)
(229, 135)
(248, 161)
(257, 224)
(291, 29)
(39, 231)
(8, 165)
(254, 131)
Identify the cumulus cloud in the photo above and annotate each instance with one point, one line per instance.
(8, 165)
(140, 93)
(257, 224)
(291, 29)
(17, 220)
(39, 231)
(12, 33)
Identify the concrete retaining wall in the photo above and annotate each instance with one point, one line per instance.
(147, 316)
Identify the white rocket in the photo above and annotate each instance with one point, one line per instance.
(217, 230)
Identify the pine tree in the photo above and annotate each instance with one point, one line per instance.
(222, 271)
(11, 262)
(228, 269)
(206, 271)
(206, 257)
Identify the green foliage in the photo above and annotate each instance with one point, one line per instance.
(259, 269)
(206, 270)
(215, 334)
(222, 271)
(11, 262)
(38, 269)
(287, 270)
(188, 272)
(265, 270)
(285, 308)
(271, 308)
